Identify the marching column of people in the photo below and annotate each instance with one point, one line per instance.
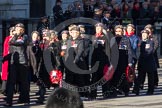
(27, 60)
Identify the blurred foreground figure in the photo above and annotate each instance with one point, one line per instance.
(63, 98)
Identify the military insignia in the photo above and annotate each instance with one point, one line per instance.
(20, 40)
(64, 47)
(100, 42)
(74, 45)
(147, 46)
(124, 47)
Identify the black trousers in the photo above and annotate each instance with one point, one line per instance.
(79, 80)
(140, 80)
(95, 80)
(156, 78)
(19, 72)
(119, 80)
(3, 88)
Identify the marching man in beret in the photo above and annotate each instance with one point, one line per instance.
(76, 48)
(19, 68)
(101, 53)
(146, 63)
(125, 59)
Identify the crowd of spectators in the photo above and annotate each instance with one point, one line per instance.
(123, 9)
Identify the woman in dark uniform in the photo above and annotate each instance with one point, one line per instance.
(146, 63)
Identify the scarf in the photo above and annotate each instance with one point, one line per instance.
(129, 35)
(99, 35)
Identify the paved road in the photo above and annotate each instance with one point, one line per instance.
(142, 101)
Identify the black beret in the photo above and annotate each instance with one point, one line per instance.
(145, 31)
(65, 32)
(131, 25)
(99, 24)
(20, 25)
(118, 26)
(12, 29)
(75, 28)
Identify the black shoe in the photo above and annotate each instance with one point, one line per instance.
(27, 104)
(4, 93)
(92, 98)
(135, 92)
(119, 92)
(5, 99)
(40, 100)
(141, 86)
(7, 105)
(155, 86)
(37, 93)
(149, 93)
(19, 101)
(126, 94)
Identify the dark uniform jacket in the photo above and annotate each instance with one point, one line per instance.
(58, 14)
(146, 60)
(32, 59)
(80, 53)
(101, 49)
(156, 46)
(18, 47)
(125, 52)
(55, 49)
(134, 44)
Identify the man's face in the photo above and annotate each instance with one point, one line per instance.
(19, 30)
(118, 32)
(98, 29)
(107, 15)
(74, 34)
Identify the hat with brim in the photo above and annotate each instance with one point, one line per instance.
(75, 28)
(131, 25)
(20, 25)
(145, 31)
(65, 32)
(118, 26)
(99, 25)
(44, 17)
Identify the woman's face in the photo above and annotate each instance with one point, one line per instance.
(149, 31)
(64, 36)
(129, 29)
(98, 29)
(126, 6)
(35, 37)
(137, 5)
(144, 36)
